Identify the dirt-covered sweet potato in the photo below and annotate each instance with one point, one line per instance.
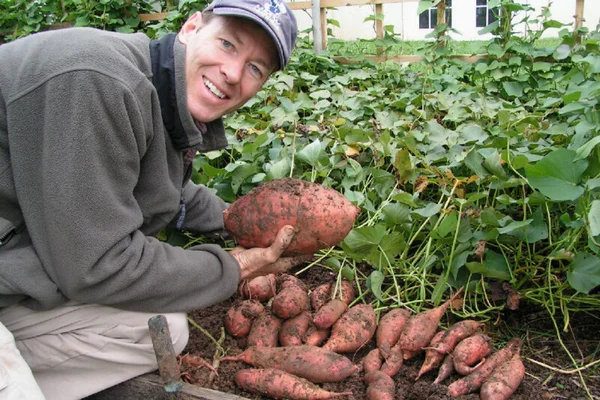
(261, 288)
(379, 386)
(331, 311)
(469, 351)
(504, 380)
(353, 330)
(291, 300)
(320, 295)
(265, 330)
(372, 361)
(321, 216)
(389, 329)
(315, 336)
(310, 362)
(239, 317)
(293, 330)
(279, 384)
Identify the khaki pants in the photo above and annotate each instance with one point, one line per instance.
(80, 349)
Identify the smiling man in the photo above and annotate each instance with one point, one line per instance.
(97, 134)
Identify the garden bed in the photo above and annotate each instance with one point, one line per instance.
(547, 381)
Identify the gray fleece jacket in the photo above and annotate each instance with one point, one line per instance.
(89, 175)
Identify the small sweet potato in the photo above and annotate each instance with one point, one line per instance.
(321, 215)
(469, 351)
(353, 330)
(320, 295)
(372, 361)
(279, 384)
(315, 336)
(433, 358)
(420, 328)
(291, 300)
(379, 386)
(455, 334)
(394, 361)
(261, 288)
(475, 379)
(446, 369)
(264, 330)
(504, 380)
(389, 329)
(344, 291)
(293, 330)
(239, 317)
(331, 311)
(309, 362)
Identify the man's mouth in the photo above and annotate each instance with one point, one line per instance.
(214, 89)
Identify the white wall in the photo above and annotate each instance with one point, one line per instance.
(404, 18)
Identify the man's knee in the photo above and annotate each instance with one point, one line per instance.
(180, 332)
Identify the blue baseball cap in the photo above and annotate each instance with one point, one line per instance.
(274, 16)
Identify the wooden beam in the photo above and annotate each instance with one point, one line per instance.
(379, 22)
(153, 16)
(403, 59)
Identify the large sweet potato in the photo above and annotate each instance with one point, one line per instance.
(389, 329)
(379, 386)
(309, 362)
(293, 330)
(261, 288)
(322, 216)
(290, 300)
(469, 351)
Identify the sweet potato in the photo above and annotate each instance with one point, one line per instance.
(475, 379)
(261, 288)
(353, 330)
(446, 369)
(321, 216)
(291, 300)
(372, 361)
(239, 317)
(469, 351)
(504, 380)
(389, 329)
(394, 362)
(420, 328)
(315, 336)
(379, 386)
(264, 330)
(433, 358)
(293, 330)
(279, 384)
(344, 291)
(309, 362)
(320, 295)
(329, 313)
(455, 334)
(287, 280)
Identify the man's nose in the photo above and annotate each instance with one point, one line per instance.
(232, 70)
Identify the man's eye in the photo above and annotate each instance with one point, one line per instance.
(226, 43)
(255, 70)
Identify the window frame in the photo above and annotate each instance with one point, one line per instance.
(431, 15)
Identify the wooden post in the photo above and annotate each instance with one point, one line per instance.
(578, 19)
(324, 28)
(379, 25)
(441, 19)
(316, 23)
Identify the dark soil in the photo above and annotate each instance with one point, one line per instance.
(551, 376)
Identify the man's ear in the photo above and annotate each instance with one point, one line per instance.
(190, 27)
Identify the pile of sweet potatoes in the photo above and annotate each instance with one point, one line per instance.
(297, 338)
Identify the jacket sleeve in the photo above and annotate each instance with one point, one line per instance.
(77, 144)
(204, 210)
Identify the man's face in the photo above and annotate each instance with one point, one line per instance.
(227, 62)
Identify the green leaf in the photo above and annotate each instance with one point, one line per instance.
(364, 239)
(278, 170)
(557, 175)
(496, 266)
(594, 218)
(312, 154)
(424, 5)
(448, 224)
(538, 229)
(374, 283)
(513, 226)
(585, 272)
(585, 150)
(396, 214)
(514, 89)
(429, 210)
(563, 51)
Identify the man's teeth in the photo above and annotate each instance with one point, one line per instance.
(214, 89)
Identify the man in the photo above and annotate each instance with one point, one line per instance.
(97, 132)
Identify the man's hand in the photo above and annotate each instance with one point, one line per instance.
(257, 261)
